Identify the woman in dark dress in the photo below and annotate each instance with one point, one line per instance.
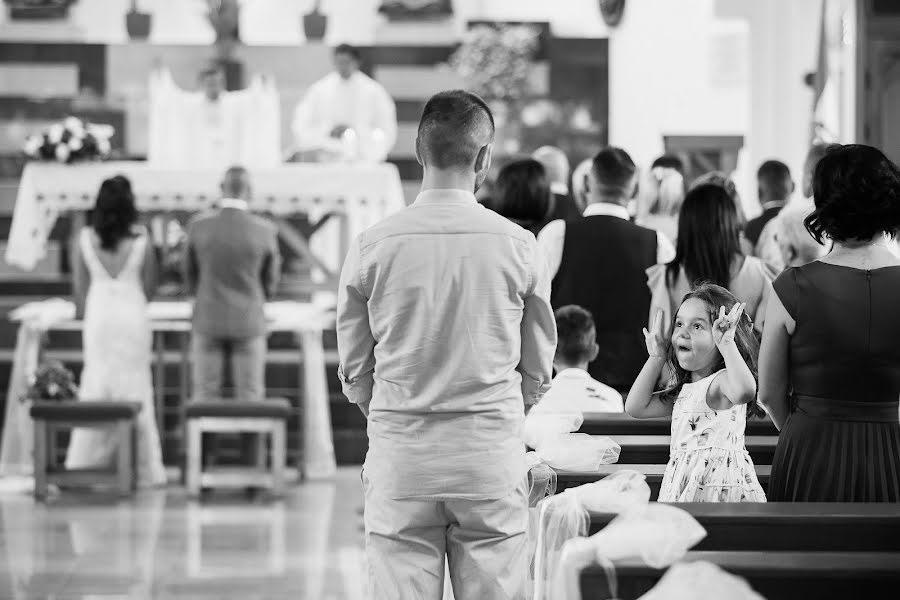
(830, 357)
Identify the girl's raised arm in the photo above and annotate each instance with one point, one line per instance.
(641, 402)
(737, 385)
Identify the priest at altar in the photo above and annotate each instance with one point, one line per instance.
(213, 128)
(346, 115)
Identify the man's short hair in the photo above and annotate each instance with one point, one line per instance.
(236, 181)
(775, 176)
(349, 50)
(454, 126)
(576, 334)
(613, 169)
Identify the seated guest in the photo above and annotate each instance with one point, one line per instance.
(773, 180)
(556, 164)
(795, 245)
(658, 206)
(115, 273)
(523, 194)
(600, 262)
(766, 247)
(830, 361)
(573, 389)
(709, 250)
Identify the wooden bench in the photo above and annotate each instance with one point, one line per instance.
(264, 418)
(598, 423)
(51, 417)
(791, 526)
(654, 449)
(774, 575)
(653, 473)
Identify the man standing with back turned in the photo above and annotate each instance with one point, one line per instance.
(446, 337)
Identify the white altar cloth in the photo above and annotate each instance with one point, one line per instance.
(363, 193)
(306, 321)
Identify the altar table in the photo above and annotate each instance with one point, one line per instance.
(363, 194)
(306, 321)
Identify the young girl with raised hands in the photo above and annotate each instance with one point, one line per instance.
(711, 356)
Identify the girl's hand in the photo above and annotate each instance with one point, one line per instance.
(656, 339)
(724, 328)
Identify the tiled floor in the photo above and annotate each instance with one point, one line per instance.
(161, 545)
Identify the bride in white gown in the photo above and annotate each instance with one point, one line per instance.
(117, 271)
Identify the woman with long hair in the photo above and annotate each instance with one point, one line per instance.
(709, 250)
(115, 273)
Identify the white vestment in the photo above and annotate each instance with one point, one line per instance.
(188, 130)
(360, 103)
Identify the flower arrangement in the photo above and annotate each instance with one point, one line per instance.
(70, 140)
(495, 61)
(52, 381)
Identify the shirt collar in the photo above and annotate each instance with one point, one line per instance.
(607, 209)
(559, 188)
(445, 196)
(773, 204)
(574, 373)
(236, 203)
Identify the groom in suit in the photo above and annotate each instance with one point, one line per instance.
(232, 266)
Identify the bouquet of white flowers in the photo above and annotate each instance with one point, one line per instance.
(70, 140)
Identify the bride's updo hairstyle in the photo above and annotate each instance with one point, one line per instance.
(114, 212)
(857, 194)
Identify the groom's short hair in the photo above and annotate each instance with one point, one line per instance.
(454, 126)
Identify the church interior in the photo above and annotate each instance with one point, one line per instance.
(171, 93)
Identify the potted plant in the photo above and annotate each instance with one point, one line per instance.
(314, 23)
(137, 23)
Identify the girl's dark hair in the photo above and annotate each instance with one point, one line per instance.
(114, 212)
(716, 296)
(523, 192)
(709, 236)
(856, 189)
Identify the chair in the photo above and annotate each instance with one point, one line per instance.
(50, 417)
(268, 417)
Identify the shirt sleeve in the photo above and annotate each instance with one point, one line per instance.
(309, 126)
(665, 250)
(538, 333)
(788, 290)
(356, 344)
(550, 241)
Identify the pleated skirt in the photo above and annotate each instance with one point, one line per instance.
(821, 459)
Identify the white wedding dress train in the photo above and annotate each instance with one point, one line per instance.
(117, 351)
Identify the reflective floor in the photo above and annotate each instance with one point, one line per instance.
(161, 545)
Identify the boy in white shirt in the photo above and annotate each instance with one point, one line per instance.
(573, 391)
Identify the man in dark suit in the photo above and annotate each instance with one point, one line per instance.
(599, 262)
(232, 265)
(556, 164)
(775, 188)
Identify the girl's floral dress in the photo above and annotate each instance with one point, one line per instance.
(708, 461)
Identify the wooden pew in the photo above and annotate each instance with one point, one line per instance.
(612, 424)
(654, 449)
(653, 473)
(787, 526)
(774, 575)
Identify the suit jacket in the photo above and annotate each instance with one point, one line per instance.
(232, 266)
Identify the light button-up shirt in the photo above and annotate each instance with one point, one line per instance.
(446, 333)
